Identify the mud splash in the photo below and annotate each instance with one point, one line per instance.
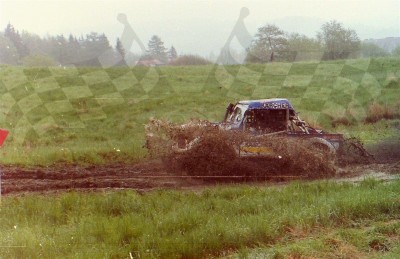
(354, 152)
(386, 151)
(213, 152)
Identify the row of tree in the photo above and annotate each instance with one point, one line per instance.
(30, 49)
(270, 44)
(333, 42)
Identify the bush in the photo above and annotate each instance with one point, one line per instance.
(38, 61)
(190, 60)
(378, 112)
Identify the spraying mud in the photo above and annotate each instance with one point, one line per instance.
(201, 148)
(386, 151)
(215, 154)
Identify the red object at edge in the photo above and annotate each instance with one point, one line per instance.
(3, 136)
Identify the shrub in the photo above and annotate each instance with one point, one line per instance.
(341, 121)
(378, 112)
(190, 60)
(38, 61)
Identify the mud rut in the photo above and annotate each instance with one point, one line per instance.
(145, 176)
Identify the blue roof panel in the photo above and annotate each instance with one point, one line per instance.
(269, 104)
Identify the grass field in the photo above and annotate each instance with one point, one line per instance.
(318, 220)
(92, 115)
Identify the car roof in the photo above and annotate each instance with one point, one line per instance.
(272, 103)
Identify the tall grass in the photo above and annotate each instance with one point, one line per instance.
(185, 224)
(377, 111)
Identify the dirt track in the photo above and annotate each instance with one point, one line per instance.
(144, 176)
(141, 177)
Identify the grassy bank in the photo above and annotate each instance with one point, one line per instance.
(318, 219)
(371, 134)
(85, 115)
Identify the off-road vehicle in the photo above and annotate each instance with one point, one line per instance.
(268, 117)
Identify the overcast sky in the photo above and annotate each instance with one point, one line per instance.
(198, 27)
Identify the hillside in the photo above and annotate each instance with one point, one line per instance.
(91, 114)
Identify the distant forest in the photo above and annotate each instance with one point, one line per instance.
(32, 50)
(269, 44)
(26, 48)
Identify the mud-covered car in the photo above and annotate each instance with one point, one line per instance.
(256, 138)
(269, 117)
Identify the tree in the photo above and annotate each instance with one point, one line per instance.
(301, 47)
(172, 53)
(396, 51)
(59, 49)
(270, 45)
(15, 38)
(8, 52)
(93, 46)
(338, 42)
(371, 50)
(190, 60)
(120, 48)
(73, 50)
(157, 49)
(33, 42)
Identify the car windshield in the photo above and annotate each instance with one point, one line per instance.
(267, 120)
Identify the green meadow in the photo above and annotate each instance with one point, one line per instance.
(314, 220)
